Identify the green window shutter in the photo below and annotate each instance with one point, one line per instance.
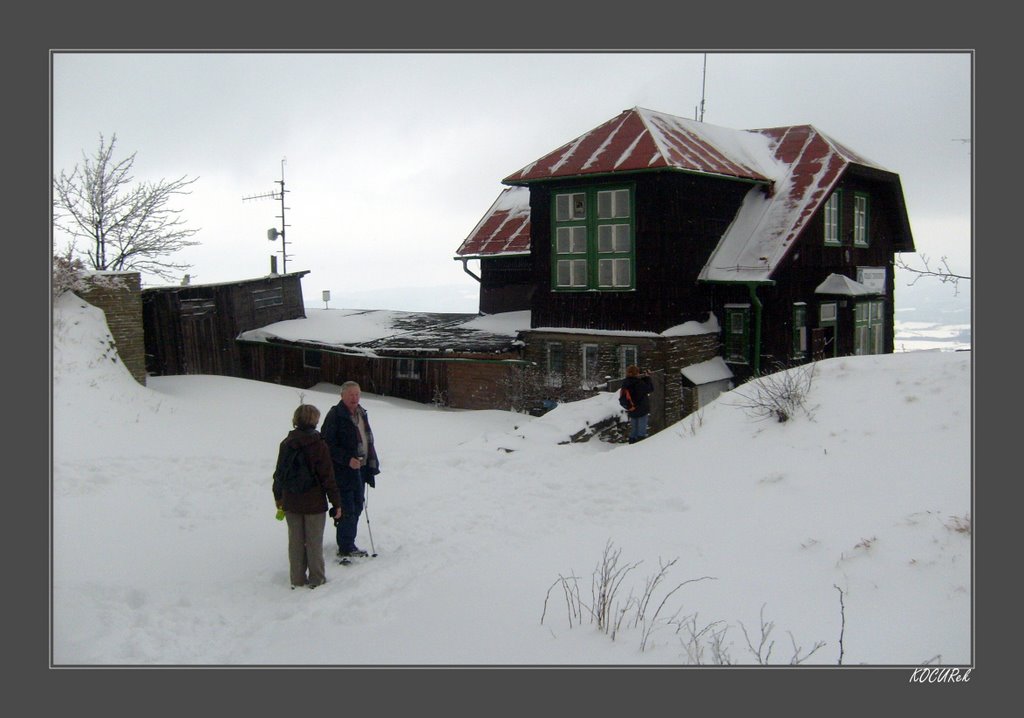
(868, 327)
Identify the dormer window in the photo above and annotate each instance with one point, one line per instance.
(593, 246)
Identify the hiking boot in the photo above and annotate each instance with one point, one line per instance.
(354, 553)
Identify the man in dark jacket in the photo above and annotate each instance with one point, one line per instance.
(346, 429)
(633, 396)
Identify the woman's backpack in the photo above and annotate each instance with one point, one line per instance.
(295, 475)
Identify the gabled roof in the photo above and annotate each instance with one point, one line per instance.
(793, 170)
(772, 217)
(504, 229)
(639, 139)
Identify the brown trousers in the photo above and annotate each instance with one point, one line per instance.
(306, 547)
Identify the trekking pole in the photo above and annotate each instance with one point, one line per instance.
(366, 513)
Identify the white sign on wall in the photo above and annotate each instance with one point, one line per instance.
(872, 278)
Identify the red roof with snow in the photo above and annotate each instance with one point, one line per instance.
(504, 229)
(793, 170)
(640, 139)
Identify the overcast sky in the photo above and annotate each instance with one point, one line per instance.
(391, 159)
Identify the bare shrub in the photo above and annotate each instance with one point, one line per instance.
(779, 395)
(766, 644)
(648, 610)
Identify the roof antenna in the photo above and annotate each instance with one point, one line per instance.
(272, 233)
(703, 84)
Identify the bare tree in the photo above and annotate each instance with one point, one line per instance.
(942, 272)
(125, 225)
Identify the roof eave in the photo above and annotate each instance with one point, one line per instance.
(622, 173)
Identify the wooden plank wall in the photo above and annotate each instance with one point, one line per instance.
(192, 329)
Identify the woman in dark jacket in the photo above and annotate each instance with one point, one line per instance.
(633, 396)
(305, 510)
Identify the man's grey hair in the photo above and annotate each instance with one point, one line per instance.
(349, 385)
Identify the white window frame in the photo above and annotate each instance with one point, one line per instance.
(860, 220)
(408, 368)
(624, 359)
(832, 216)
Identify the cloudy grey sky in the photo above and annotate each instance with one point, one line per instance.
(392, 158)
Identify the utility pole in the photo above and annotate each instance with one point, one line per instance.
(272, 233)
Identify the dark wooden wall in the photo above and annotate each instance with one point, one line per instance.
(506, 284)
(809, 263)
(679, 219)
(192, 329)
(462, 381)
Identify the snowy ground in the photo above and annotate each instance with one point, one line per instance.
(848, 525)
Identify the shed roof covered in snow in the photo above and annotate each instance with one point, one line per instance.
(842, 285)
(706, 372)
(385, 332)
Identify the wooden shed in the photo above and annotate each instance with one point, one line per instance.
(192, 329)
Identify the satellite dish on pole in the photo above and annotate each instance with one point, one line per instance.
(272, 233)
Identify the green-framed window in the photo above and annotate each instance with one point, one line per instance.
(737, 333)
(799, 330)
(860, 219)
(868, 327)
(832, 215)
(593, 239)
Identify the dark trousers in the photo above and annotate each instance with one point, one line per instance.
(353, 494)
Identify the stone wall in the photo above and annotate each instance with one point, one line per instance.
(663, 356)
(123, 308)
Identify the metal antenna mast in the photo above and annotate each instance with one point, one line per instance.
(703, 84)
(272, 233)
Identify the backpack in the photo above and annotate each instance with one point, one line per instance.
(626, 400)
(294, 474)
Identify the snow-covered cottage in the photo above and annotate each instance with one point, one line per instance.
(705, 254)
(702, 253)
